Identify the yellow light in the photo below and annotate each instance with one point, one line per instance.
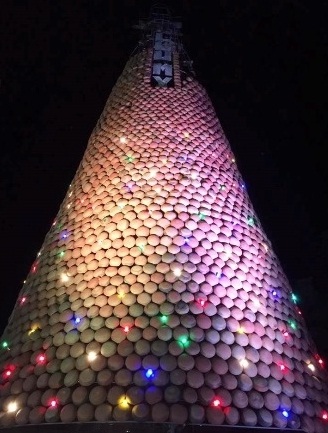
(124, 402)
(121, 295)
(12, 407)
(241, 330)
(92, 356)
(311, 367)
(64, 277)
(177, 272)
(34, 328)
(243, 363)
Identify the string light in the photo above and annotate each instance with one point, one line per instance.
(177, 272)
(241, 330)
(41, 359)
(23, 300)
(243, 363)
(285, 413)
(324, 416)
(92, 356)
(77, 320)
(122, 140)
(311, 367)
(12, 407)
(282, 367)
(149, 373)
(292, 324)
(64, 277)
(5, 345)
(201, 216)
(53, 403)
(164, 319)
(251, 221)
(183, 340)
(124, 402)
(294, 298)
(126, 329)
(216, 402)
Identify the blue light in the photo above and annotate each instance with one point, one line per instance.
(149, 373)
(285, 413)
(77, 320)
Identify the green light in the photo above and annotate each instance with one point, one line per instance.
(164, 319)
(201, 216)
(129, 158)
(184, 341)
(294, 298)
(292, 324)
(251, 221)
(4, 345)
(141, 247)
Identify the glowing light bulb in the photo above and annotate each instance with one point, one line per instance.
(216, 402)
(292, 324)
(282, 367)
(311, 367)
(124, 402)
(12, 407)
(324, 416)
(122, 140)
(41, 359)
(53, 403)
(7, 373)
(177, 272)
(4, 345)
(294, 298)
(64, 277)
(194, 176)
(149, 373)
(121, 295)
(184, 340)
(126, 329)
(285, 334)
(251, 221)
(77, 320)
(201, 302)
(23, 300)
(92, 356)
(241, 330)
(320, 361)
(164, 319)
(201, 216)
(285, 413)
(243, 363)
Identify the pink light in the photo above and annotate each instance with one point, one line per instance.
(23, 300)
(126, 329)
(8, 373)
(320, 361)
(41, 359)
(282, 367)
(286, 334)
(201, 302)
(324, 416)
(53, 403)
(216, 402)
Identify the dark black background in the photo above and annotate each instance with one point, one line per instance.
(264, 65)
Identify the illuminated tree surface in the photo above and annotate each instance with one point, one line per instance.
(156, 296)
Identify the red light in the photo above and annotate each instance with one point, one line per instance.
(320, 361)
(53, 403)
(23, 300)
(286, 334)
(8, 373)
(282, 368)
(324, 416)
(126, 328)
(41, 359)
(216, 402)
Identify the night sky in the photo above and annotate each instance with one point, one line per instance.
(264, 64)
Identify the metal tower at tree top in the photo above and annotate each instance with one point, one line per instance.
(156, 301)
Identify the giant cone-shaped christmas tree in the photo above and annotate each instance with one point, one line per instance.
(156, 296)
